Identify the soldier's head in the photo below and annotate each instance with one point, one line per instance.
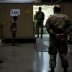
(57, 9)
(40, 8)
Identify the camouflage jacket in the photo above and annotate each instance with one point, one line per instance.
(58, 23)
(39, 15)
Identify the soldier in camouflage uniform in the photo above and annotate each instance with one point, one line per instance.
(14, 29)
(58, 27)
(39, 24)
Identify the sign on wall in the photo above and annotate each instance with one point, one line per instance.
(14, 12)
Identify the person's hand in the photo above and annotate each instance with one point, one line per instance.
(59, 36)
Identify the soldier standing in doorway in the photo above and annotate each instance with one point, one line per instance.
(58, 26)
(39, 18)
(14, 29)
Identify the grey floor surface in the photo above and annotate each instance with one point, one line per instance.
(30, 57)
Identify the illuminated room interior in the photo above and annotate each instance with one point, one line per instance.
(47, 9)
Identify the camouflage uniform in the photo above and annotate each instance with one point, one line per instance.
(39, 18)
(13, 30)
(58, 24)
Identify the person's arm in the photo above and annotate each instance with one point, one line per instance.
(36, 15)
(49, 28)
(68, 27)
(43, 16)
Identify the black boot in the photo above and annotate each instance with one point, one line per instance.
(52, 69)
(65, 69)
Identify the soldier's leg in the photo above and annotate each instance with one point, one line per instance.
(14, 36)
(63, 55)
(64, 62)
(37, 29)
(52, 52)
(52, 62)
(41, 29)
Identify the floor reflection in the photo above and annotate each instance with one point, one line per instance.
(42, 44)
(41, 62)
(25, 57)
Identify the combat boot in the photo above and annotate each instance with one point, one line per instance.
(52, 69)
(65, 69)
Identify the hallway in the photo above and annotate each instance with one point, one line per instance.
(29, 57)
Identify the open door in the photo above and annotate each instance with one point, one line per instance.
(48, 10)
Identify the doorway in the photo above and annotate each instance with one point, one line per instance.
(47, 10)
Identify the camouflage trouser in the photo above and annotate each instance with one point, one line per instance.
(39, 25)
(13, 36)
(61, 47)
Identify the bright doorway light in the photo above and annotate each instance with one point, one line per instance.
(47, 9)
